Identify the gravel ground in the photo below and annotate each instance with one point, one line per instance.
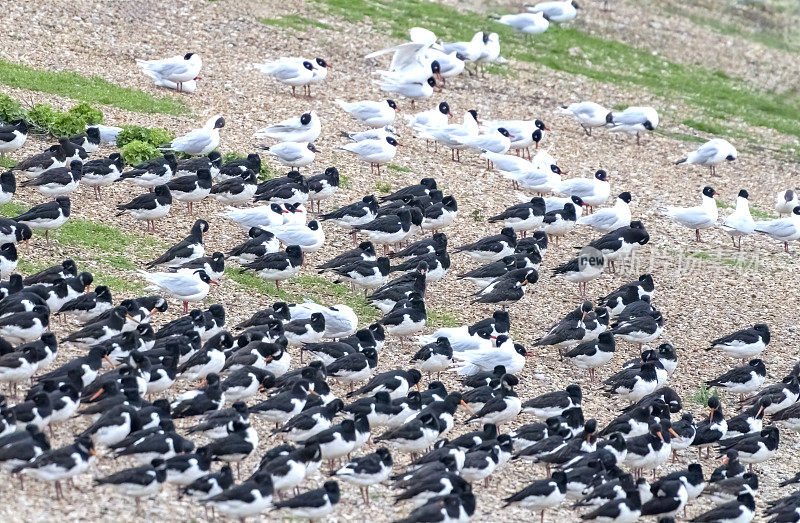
(700, 298)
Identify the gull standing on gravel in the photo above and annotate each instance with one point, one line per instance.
(783, 229)
(202, 141)
(185, 286)
(710, 154)
(375, 152)
(373, 114)
(557, 11)
(496, 141)
(289, 71)
(633, 120)
(525, 132)
(739, 223)
(438, 117)
(527, 23)
(293, 154)
(699, 217)
(176, 69)
(371, 134)
(403, 87)
(450, 135)
(785, 201)
(593, 192)
(303, 129)
(588, 114)
(607, 220)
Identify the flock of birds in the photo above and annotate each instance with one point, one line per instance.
(123, 381)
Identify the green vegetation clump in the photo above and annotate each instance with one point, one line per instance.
(139, 144)
(92, 89)
(10, 109)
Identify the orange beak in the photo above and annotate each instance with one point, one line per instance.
(153, 312)
(109, 362)
(98, 393)
(134, 320)
(660, 436)
(673, 433)
(88, 288)
(92, 452)
(418, 389)
(760, 410)
(464, 404)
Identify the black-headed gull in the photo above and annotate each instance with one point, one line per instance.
(699, 217)
(739, 223)
(289, 71)
(185, 87)
(558, 11)
(185, 286)
(543, 176)
(293, 154)
(177, 69)
(409, 62)
(783, 229)
(449, 63)
(373, 114)
(309, 237)
(710, 154)
(408, 89)
(490, 53)
(633, 120)
(785, 201)
(606, 220)
(524, 132)
(371, 134)
(527, 23)
(593, 191)
(302, 129)
(588, 114)
(437, 117)
(202, 141)
(450, 135)
(374, 152)
(468, 51)
(496, 141)
(320, 72)
(259, 216)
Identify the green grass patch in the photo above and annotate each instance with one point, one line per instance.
(712, 94)
(118, 284)
(383, 187)
(91, 89)
(293, 21)
(438, 318)
(7, 162)
(118, 261)
(93, 235)
(398, 168)
(11, 209)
